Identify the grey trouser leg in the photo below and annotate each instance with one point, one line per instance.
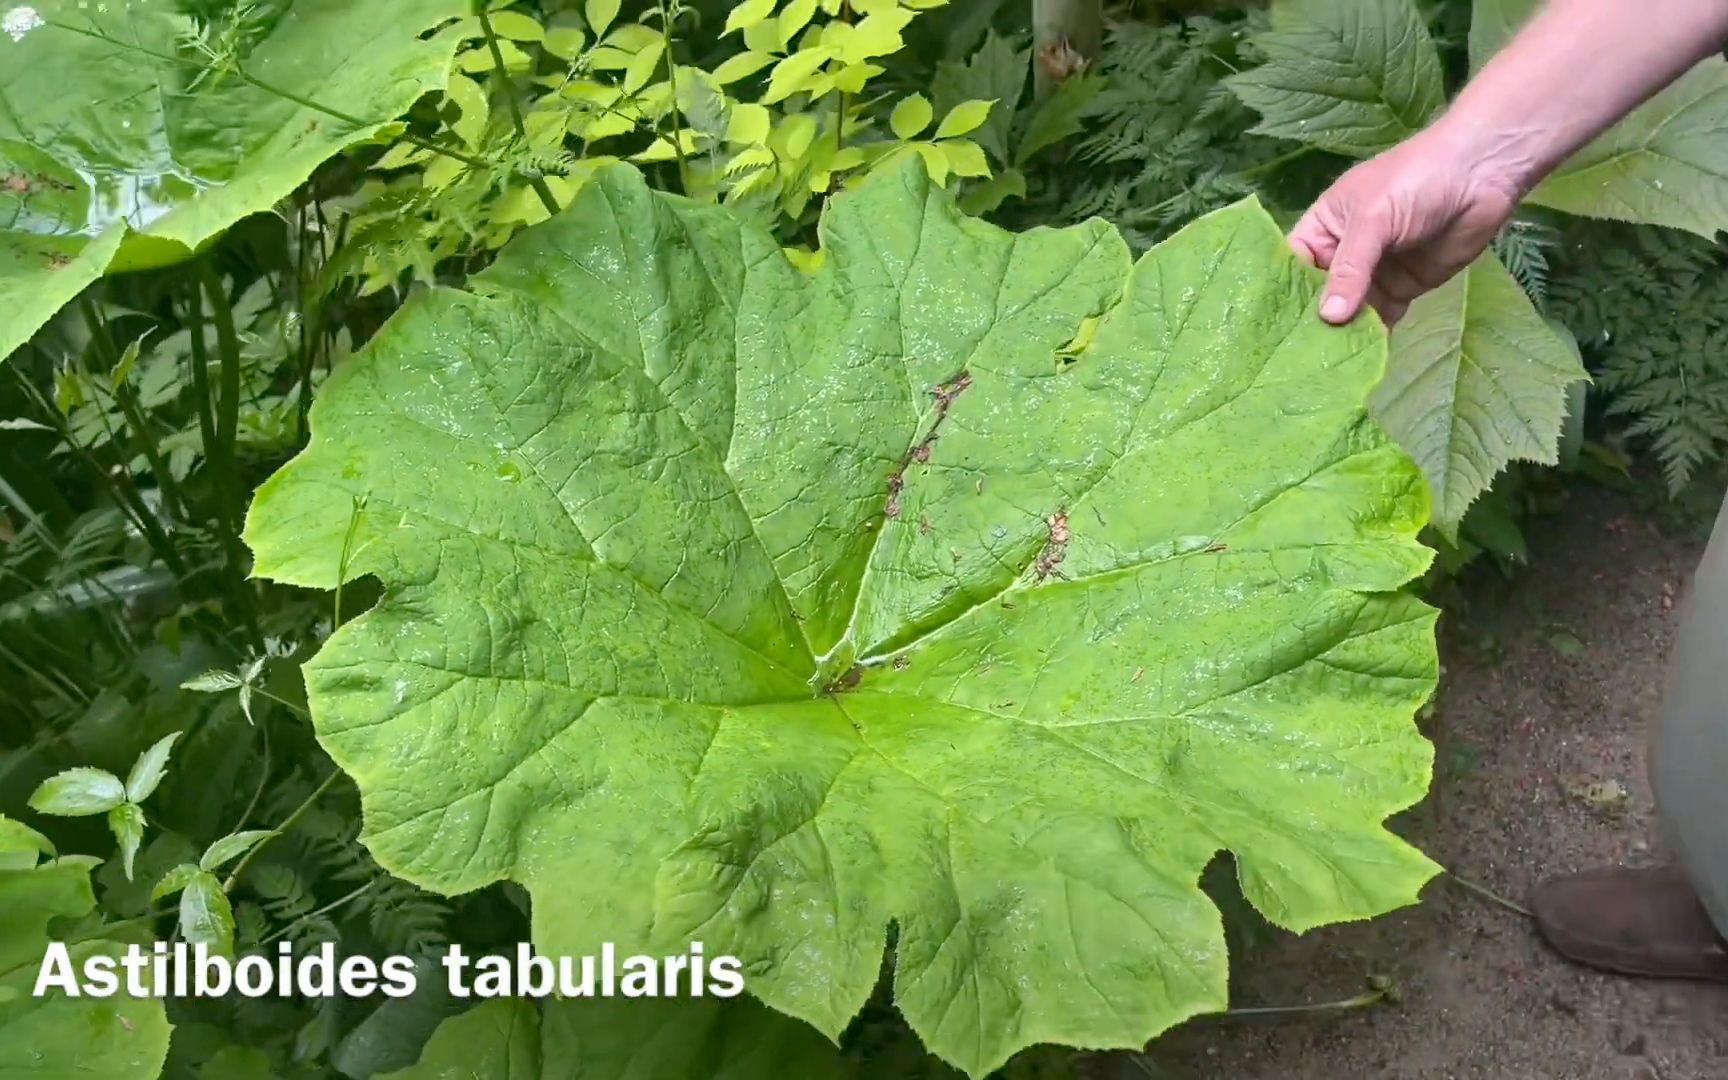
(1689, 761)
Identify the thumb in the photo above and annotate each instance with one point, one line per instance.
(1352, 270)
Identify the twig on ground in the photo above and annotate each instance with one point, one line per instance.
(1490, 895)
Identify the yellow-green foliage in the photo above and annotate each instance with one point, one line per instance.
(811, 123)
(785, 118)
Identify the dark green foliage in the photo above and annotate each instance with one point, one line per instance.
(1165, 138)
(1650, 309)
(98, 634)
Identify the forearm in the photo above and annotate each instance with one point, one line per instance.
(1576, 68)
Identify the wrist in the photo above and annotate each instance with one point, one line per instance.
(1503, 155)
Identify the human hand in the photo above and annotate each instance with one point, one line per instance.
(1402, 223)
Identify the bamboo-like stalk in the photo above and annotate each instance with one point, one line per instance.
(315, 302)
(309, 307)
(218, 422)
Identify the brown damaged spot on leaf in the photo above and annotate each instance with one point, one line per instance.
(924, 525)
(944, 393)
(57, 261)
(847, 681)
(1056, 547)
(23, 184)
(902, 662)
(896, 484)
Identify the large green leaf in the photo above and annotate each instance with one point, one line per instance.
(766, 608)
(1478, 380)
(619, 1039)
(1352, 76)
(1492, 24)
(58, 1035)
(119, 147)
(497, 1039)
(1666, 163)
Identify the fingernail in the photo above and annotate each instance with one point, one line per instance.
(1334, 307)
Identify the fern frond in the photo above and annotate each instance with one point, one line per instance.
(1650, 309)
(1167, 142)
(1524, 245)
(407, 920)
(281, 891)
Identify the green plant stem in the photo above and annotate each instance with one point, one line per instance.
(1490, 895)
(71, 693)
(228, 350)
(122, 449)
(843, 100)
(537, 182)
(124, 495)
(310, 915)
(13, 497)
(1278, 162)
(127, 399)
(288, 824)
(1363, 1000)
(122, 468)
(220, 453)
(672, 84)
(342, 561)
(309, 315)
(315, 326)
(282, 701)
(263, 781)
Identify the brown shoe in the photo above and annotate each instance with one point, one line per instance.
(1635, 922)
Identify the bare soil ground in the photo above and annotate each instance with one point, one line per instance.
(1552, 683)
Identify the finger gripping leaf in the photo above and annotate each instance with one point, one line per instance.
(980, 584)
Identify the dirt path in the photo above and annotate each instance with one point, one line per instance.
(1551, 685)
